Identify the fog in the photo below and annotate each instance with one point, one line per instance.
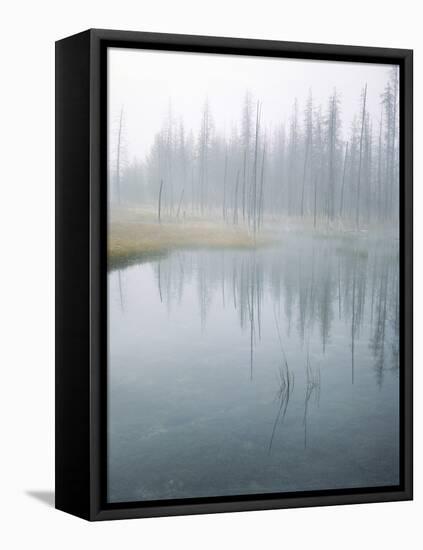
(244, 139)
(145, 83)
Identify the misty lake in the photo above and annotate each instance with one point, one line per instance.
(254, 371)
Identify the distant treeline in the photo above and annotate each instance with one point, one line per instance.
(304, 168)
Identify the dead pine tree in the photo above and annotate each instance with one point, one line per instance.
(168, 158)
(379, 171)
(236, 199)
(244, 184)
(293, 150)
(159, 207)
(180, 203)
(254, 187)
(308, 145)
(304, 178)
(360, 160)
(389, 102)
(225, 172)
(119, 155)
(261, 194)
(332, 137)
(246, 140)
(341, 206)
(318, 164)
(368, 156)
(315, 202)
(205, 137)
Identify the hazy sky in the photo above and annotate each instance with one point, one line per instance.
(144, 82)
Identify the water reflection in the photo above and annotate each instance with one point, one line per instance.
(312, 389)
(309, 285)
(310, 325)
(286, 386)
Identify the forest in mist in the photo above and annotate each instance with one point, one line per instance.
(309, 167)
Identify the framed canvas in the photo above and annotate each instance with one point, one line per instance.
(233, 274)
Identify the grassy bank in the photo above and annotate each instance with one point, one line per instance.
(131, 241)
(135, 234)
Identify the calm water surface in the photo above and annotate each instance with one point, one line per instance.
(234, 372)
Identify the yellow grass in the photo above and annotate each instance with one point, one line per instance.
(129, 240)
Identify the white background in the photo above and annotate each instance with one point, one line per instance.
(28, 32)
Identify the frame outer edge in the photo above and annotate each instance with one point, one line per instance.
(407, 229)
(97, 180)
(72, 391)
(98, 310)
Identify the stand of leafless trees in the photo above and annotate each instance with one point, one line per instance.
(310, 168)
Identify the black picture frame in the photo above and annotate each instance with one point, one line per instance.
(81, 271)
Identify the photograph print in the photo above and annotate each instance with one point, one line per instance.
(253, 275)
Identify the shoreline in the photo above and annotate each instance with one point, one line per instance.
(131, 240)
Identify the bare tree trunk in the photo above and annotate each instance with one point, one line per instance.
(341, 207)
(180, 202)
(118, 155)
(369, 153)
(331, 193)
(393, 140)
(254, 190)
(224, 184)
(379, 171)
(160, 201)
(315, 200)
(357, 215)
(205, 137)
(244, 184)
(236, 199)
(261, 198)
(304, 177)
